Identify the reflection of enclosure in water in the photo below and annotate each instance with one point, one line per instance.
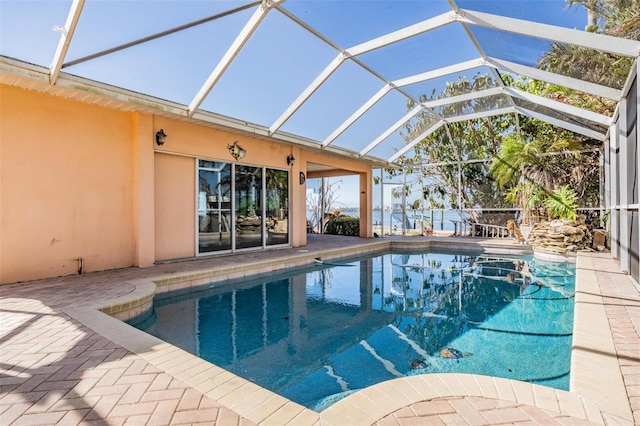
(308, 336)
(422, 285)
(440, 298)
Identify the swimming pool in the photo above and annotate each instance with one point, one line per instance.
(319, 334)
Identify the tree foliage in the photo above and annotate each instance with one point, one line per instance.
(530, 159)
(329, 193)
(457, 143)
(619, 18)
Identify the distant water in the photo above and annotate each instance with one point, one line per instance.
(442, 220)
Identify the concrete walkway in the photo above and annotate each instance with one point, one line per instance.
(64, 362)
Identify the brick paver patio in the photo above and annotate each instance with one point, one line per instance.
(55, 370)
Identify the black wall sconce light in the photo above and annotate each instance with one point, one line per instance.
(236, 151)
(161, 136)
(290, 160)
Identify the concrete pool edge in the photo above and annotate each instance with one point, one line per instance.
(595, 370)
(262, 406)
(376, 402)
(180, 281)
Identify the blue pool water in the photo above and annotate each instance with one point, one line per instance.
(322, 333)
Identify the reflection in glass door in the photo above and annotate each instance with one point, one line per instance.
(248, 200)
(277, 206)
(214, 206)
(241, 207)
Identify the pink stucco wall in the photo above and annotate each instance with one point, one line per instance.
(66, 172)
(79, 180)
(175, 231)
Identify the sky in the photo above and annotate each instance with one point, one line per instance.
(280, 59)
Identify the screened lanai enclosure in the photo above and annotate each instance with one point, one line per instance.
(471, 104)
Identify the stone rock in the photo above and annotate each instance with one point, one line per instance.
(569, 230)
(561, 236)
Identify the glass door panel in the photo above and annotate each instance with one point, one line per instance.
(277, 206)
(249, 222)
(214, 206)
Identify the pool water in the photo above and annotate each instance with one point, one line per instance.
(320, 334)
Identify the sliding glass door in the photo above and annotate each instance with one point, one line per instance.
(241, 207)
(214, 206)
(277, 184)
(249, 218)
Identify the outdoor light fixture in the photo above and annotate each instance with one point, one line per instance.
(161, 136)
(290, 160)
(236, 151)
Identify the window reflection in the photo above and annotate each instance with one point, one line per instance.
(248, 193)
(257, 193)
(277, 206)
(214, 206)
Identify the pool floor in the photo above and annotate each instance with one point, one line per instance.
(317, 336)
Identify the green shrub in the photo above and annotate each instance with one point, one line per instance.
(344, 225)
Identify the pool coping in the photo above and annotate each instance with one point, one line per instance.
(590, 389)
(593, 351)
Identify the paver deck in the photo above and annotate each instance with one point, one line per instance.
(64, 362)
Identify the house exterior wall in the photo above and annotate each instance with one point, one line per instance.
(365, 174)
(65, 176)
(176, 169)
(175, 213)
(83, 181)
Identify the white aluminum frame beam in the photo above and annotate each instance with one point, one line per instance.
(465, 97)
(556, 122)
(359, 113)
(426, 105)
(476, 63)
(586, 39)
(549, 77)
(483, 54)
(560, 106)
(373, 44)
(563, 124)
(231, 53)
(160, 34)
(476, 115)
(440, 72)
(402, 34)
(415, 141)
(66, 35)
(310, 90)
(395, 126)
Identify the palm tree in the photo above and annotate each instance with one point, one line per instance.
(619, 18)
(539, 160)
